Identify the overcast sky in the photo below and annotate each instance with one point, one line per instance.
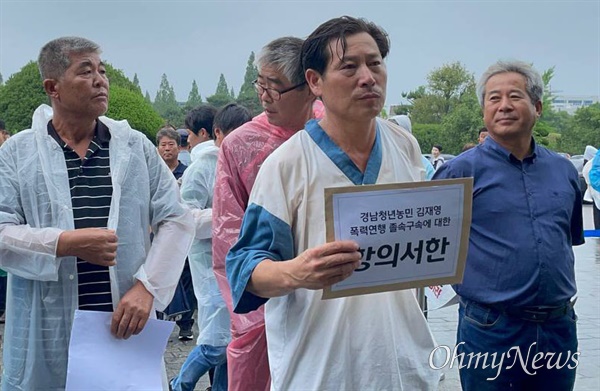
(198, 40)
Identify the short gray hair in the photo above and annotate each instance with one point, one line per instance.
(54, 58)
(283, 54)
(533, 80)
(168, 133)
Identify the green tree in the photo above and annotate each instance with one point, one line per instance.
(126, 104)
(427, 110)
(461, 125)
(401, 109)
(427, 135)
(545, 124)
(222, 88)
(587, 119)
(548, 96)
(136, 81)
(445, 88)
(116, 77)
(247, 89)
(194, 98)
(584, 130)
(1, 79)
(222, 95)
(450, 83)
(219, 100)
(20, 96)
(232, 93)
(23, 93)
(559, 121)
(247, 96)
(166, 104)
(147, 97)
(411, 97)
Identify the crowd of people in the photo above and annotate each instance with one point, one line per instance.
(94, 216)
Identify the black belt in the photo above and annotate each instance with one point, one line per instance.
(539, 314)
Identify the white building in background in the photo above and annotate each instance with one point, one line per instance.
(570, 103)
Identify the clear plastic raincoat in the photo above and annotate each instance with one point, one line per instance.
(197, 186)
(242, 154)
(35, 207)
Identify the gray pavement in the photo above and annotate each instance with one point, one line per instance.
(177, 352)
(443, 324)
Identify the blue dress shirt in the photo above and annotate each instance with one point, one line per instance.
(527, 215)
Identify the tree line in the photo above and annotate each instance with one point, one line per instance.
(445, 111)
(23, 93)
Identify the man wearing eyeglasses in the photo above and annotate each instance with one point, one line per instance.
(288, 104)
(281, 261)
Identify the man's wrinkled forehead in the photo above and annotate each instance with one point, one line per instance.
(269, 75)
(86, 57)
(78, 60)
(166, 140)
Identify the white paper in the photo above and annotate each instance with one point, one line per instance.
(440, 296)
(366, 218)
(99, 361)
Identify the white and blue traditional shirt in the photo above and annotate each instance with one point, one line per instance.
(371, 342)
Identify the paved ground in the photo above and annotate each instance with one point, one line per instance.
(176, 354)
(443, 324)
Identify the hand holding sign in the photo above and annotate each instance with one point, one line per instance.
(325, 265)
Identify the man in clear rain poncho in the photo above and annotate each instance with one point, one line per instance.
(379, 341)
(197, 190)
(78, 196)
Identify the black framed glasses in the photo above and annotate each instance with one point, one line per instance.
(273, 93)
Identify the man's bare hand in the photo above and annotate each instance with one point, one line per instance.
(94, 245)
(132, 312)
(324, 265)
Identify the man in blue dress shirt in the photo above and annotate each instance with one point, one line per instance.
(516, 325)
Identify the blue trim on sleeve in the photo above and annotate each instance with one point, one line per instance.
(262, 236)
(342, 161)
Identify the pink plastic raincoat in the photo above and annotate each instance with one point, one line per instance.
(242, 153)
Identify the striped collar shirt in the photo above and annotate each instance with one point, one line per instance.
(91, 194)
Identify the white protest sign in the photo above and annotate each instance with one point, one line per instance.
(410, 234)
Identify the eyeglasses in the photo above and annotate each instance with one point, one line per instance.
(273, 93)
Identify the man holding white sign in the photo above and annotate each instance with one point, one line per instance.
(377, 341)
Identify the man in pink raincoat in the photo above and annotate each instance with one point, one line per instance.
(288, 104)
